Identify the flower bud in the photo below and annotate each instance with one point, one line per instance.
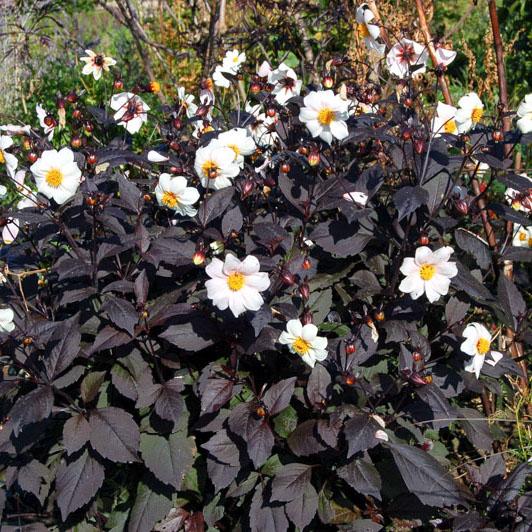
(302, 150)
(26, 143)
(314, 157)
(406, 134)
(307, 317)
(247, 188)
(327, 81)
(497, 135)
(76, 113)
(176, 170)
(379, 315)
(32, 157)
(461, 206)
(174, 145)
(75, 141)
(50, 121)
(419, 146)
(427, 445)
(285, 168)
(428, 379)
(254, 88)
(423, 240)
(198, 258)
(118, 85)
(288, 278)
(306, 263)
(271, 112)
(72, 97)
(350, 348)
(304, 290)
(260, 411)
(92, 159)
(177, 123)
(89, 127)
(417, 356)
(28, 340)
(350, 379)
(203, 110)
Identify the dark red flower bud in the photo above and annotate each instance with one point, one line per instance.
(89, 127)
(271, 112)
(423, 240)
(32, 157)
(406, 135)
(350, 379)
(304, 290)
(176, 170)
(202, 111)
(497, 135)
(72, 97)
(461, 206)
(288, 278)
(50, 121)
(302, 150)
(247, 188)
(285, 168)
(419, 146)
(306, 263)
(254, 88)
(118, 85)
(92, 159)
(76, 113)
(350, 348)
(75, 141)
(417, 356)
(327, 82)
(174, 145)
(177, 123)
(314, 158)
(307, 317)
(379, 316)
(260, 411)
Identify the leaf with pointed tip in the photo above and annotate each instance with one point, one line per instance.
(90, 385)
(149, 508)
(216, 393)
(169, 405)
(215, 205)
(318, 385)
(290, 482)
(261, 443)
(77, 483)
(263, 515)
(360, 434)
(302, 509)
(195, 335)
(114, 434)
(408, 199)
(34, 477)
(108, 338)
(76, 433)
(223, 449)
(141, 287)
(169, 459)
(278, 397)
(32, 407)
(121, 313)
(65, 350)
(426, 478)
(363, 477)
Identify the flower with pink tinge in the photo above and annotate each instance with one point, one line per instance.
(236, 284)
(444, 56)
(7, 159)
(404, 55)
(285, 83)
(131, 111)
(41, 115)
(96, 64)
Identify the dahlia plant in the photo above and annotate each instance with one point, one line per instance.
(284, 310)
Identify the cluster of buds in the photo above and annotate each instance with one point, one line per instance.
(98, 200)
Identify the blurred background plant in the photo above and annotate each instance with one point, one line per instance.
(177, 42)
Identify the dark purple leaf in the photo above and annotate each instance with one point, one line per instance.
(511, 300)
(195, 335)
(90, 385)
(121, 313)
(363, 477)
(455, 310)
(509, 489)
(277, 398)
(77, 483)
(169, 405)
(108, 338)
(408, 199)
(232, 221)
(149, 507)
(169, 459)
(65, 350)
(493, 470)
(130, 195)
(303, 441)
(221, 475)
(476, 427)
(215, 205)
(32, 407)
(360, 434)
(426, 478)
(35, 478)
(475, 245)
(223, 449)
(442, 413)
(114, 434)
(318, 385)
(290, 482)
(76, 433)
(263, 515)
(302, 509)
(141, 287)
(260, 443)
(215, 394)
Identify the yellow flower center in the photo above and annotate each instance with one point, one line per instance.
(450, 126)
(235, 148)
(427, 271)
(522, 237)
(235, 59)
(300, 346)
(362, 30)
(326, 116)
(210, 169)
(483, 346)
(235, 281)
(477, 113)
(2, 158)
(54, 177)
(170, 199)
